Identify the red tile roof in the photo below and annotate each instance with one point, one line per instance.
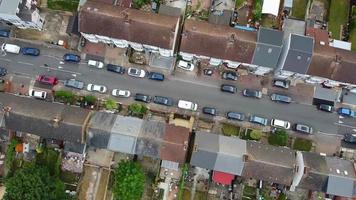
(222, 177)
(218, 41)
(319, 35)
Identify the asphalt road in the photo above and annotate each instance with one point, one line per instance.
(203, 93)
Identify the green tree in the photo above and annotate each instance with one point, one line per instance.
(138, 109)
(139, 3)
(10, 154)
(110, 104)
(65, 96)
(257, 11)
(90, 99)
(278, 138)
(256, 134)
(129, 181)
(34, 183)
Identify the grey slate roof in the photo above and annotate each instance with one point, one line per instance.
(326, 94)
(169, 10)
(38, 117)
(9, 6)
(150, 139)
(269, 47)
(288, 3)
(206, 147)
(298, 56)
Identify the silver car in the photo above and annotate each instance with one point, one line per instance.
(73, 83)
(136, 72)
(96, 88)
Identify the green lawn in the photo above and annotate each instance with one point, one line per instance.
(229, 130)
(338, 15)
(353, 29)
(299, 9)
(302, 144)
(249, 192)
(239, 3)
(67, 5)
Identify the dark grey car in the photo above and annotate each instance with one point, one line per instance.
(228, 88)
(252, 93)
(163, 100)
(350, 138)
(209, 111)
(235, 116)
(73, 83)
(281, 98)
(142, 97)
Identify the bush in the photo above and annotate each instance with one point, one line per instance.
(65, 96)
(278, 138)
(257, 11)
(90, 99)
(256, 134)
(110, 104)
(67, 5)
(139, 3)
(302, 144)
(229, 130)
(10, 154)
(138, 109)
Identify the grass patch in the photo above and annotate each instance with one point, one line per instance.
(67, 5)
(353, 29)
(239, 3)
(69, 177)
(252, 134)
(229, 130)
(302, 144)
(279, 138)
(299, 9)
(249, 192)
(338, 15)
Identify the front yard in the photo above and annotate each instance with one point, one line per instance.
(230, 130)
(302, 144)
(353, 29)
(66, 5)
(338, 16)
(299, 9)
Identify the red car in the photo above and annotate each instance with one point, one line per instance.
(48, 80)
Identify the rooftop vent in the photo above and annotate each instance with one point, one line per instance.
(322, 43)
(338, 171)
(346, 173)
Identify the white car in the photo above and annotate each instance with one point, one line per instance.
(280, 123)
(96, 88)
(120, 93)
(95, 63)
(185, 65)
(140, 73)
(187, 105)
(37, 94)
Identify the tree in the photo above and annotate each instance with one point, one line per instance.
(138, 109)
(110, 104)
(256, 134)
(90, 99)
(129, 181)
(139, 3)
(10, 154)
(278, 138)
(65, 96)
(34, 183)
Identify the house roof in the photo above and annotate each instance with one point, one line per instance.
(293, 26)
(175, 145)
(334, 64)
(301, 43)
(128, 24)
(271, 7)
(218, 41)
(269, 47)
(40, 118)
(326, 94)
(205, 150)
(319, 35)
(9, 7)
(223, 178)
(340, 186)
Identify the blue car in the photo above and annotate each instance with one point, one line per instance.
(347, 112)
(68, 57)
(155, 76)
(4, 33)
(30, 51)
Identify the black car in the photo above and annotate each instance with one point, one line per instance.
(142, 97)
(209, 111)
(350, 138)
(228, 88)
(252, 93)
(155, 76)
(3, 71)
(115, 68)
(230, 75)
(235, 116)
(163, 100)
(326, 108)
(4, 33)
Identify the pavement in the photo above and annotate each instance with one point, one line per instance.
(204, 91)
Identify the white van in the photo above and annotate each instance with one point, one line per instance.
(10, 48)
(280, 123)
(186, 65)
(94, 63)
(187, 105)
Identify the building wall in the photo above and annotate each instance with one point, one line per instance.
(37, 22)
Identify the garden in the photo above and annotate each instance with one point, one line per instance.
(353, 29)
(278, 138)
(66, 5)
(338, 17)
(299, 9)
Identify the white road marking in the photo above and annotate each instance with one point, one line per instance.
(23, 74)
(61, 70)
(341, 117)
(194, 82)
(345, 125)
(5, 59)
(330, 134)
(60, 67)
(54, 57)
(25, 63)
(341, 122)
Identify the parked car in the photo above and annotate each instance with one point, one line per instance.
(136, 72)
(258, 120)
(350, 138)
(120, 93)
(73, 83)
(30, 51)
(187, 105)
(115, 68)
(69, 57)
(252, 93)
(96, 64)
(228, 88)
(166, 101)
(277, 123)
(155, 76)
(185, 65)
(230, 75)
(96, 88)
(235, 116)
(208, 72)
(302, 128)
(142, 97)
(209, 111)
(4, 33)
(3, 71)
(37, 94)
(346, 112)
(326, 108)
(10, 48)
(281, 98)
(281, 83)
(48, 80)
